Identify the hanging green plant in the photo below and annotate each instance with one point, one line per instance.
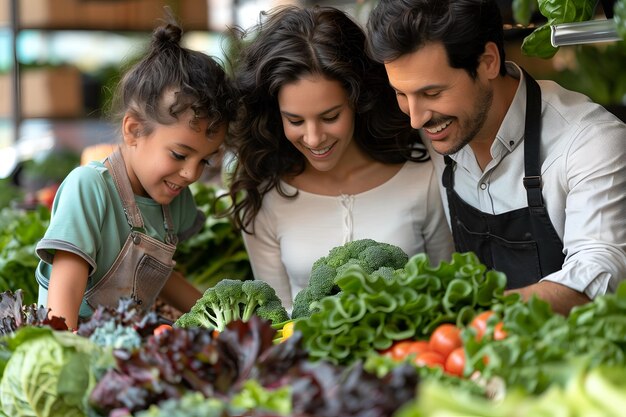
(619, 15)
(556, 11)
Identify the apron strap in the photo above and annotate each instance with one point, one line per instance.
(532, 129)
(448, 173)
(122, 183)
(170, 237)
(133, 215)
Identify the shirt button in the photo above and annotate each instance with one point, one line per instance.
(483, 186)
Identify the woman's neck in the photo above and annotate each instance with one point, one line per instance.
(357, 172)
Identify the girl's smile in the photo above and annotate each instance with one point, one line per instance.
(164, 162)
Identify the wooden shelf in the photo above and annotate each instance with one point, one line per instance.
(137, 15)
(47, 92)
(57, 93)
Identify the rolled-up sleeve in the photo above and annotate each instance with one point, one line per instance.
(594, 234)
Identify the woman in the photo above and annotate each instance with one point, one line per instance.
(324, 155)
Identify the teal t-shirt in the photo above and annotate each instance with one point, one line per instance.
(88, 219)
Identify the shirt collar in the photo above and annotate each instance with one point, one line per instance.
(511, 130)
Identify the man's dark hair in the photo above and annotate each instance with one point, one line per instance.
(399, 27)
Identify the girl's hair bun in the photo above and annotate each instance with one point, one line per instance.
(166, 36)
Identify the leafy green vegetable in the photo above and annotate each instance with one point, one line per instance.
(182, 360)
(20, 232)
(373, 310)
(253, 396)
(606, 386)
(556, 11)
(585, 392)
(232, 300)
(217, 251)
(367, 253)
(192, 404)
(619, 15)
(189, 372)
(48, 373)
(9, 193)
(539, 340)
(164, 367)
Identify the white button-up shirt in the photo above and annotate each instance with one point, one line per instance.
(583, 169)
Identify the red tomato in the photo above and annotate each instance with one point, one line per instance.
(400, 350)
(445, 339)
(161, 328)
(430, 359)
(498, 332)
(479, 323)
(455, 362)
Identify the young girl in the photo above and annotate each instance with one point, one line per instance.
(324, 155)
(115, 225)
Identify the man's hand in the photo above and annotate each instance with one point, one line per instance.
(561, 298)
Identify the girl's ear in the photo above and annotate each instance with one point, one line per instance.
(131, 127)
(490, 61)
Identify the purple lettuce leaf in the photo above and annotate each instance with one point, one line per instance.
(14, 315)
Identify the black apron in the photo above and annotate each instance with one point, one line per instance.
(521, 243)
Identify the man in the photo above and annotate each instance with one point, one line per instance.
(534, 176)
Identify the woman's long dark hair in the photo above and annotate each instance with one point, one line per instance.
(290, 43)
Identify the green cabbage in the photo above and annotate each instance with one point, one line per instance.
(47, 375)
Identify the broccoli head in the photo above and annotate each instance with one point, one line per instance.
(233, 299)
(367, 253)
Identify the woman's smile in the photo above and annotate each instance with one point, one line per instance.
(321, 152)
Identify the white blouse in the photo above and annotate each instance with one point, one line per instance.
(291, 234)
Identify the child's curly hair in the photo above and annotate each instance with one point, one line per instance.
(170, 80)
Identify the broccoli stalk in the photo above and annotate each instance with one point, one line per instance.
(230, 300)
(371, 255)
(205, 313)
(258, 294)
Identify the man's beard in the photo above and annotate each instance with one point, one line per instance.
(475, 123)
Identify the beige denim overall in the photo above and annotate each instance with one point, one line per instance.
(144, 264)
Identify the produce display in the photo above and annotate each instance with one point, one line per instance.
(118, 365)
(388, 336)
